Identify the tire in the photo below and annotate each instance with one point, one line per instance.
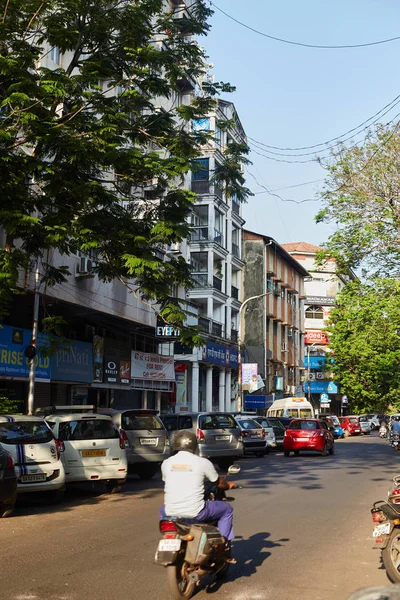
(297, 452)
(286, 452)
(56, 497)
(223, 573)
(342, 436)
(331, 450)
(113, 487)
(179, 587)
(391, 555)
(147, 472)
(225, 463)
(6, 511)
(324, 451)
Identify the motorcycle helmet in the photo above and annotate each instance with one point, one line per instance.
(185, 440)
(397, 418)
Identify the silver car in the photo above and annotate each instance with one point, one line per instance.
(218, 434)
(366, 427)
(146, 440)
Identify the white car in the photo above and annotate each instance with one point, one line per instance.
(93, 449)
(36, 454)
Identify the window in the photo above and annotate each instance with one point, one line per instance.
(87, 429)
(304, 425)
(314, 312)
(55, 55)
(170, 422)
(217, 422)
(185, 422)
(25, 432)
(133, 421)
(201, 169)
(249, 424)
(270, 283)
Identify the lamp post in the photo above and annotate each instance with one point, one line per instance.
(240, 390)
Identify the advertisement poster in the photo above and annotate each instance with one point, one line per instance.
(117, 364)
(13, 362)
(249, 376)
(316, 337)
(98, 358)
(181, 386)
(152, 366)
(72, 362)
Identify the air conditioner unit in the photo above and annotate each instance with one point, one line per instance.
(84, 267)
(312, 377)
(284, 347)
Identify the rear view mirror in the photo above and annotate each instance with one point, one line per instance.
(234, 469)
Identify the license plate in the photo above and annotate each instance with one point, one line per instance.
(87, 453)
(169, 545)
(222, 438)
(381, 529)
(395, 443)
(31, 478)
(148, 441)
(255, 436)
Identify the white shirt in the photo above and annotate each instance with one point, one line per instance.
(184, 475)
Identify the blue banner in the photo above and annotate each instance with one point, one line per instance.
(316, 362)
(321, 387)
(13, 362)
(73, 362)
(220, 355)
(254, 402)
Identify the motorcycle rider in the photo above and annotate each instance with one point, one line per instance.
(395, 426)
(184, 474)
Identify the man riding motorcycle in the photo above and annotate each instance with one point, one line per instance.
(184, 475)
(395, 426)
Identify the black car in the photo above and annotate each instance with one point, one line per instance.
(285, 421)
(279, 429)
(8, 483)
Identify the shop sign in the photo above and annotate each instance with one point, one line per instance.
(279, 383)
(152, 366)
(254, 402)
(316, 337)
(321, 387)
(319, 301)
(167, 332)
(98, 359)
(13, 362)
(72, 362)
(316, 362)
(218, 354)
(117, 362)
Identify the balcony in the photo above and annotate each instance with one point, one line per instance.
(235, 206)
(217, 283)
(218, 191)
(199, 234)
(205, 324)
(211, 327)
(216, 328)
(234, 292)
(200, 280)
(218, 237)
(234, 335)
(235, 250)
(206, 187)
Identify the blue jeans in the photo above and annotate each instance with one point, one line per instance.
(214, 510)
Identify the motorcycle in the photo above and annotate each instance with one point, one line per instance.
(386, 533)
(191, 550)
(383, 431)
(395, 441)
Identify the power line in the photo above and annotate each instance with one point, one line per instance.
(271, 193)
(304, 45)
(289, 187)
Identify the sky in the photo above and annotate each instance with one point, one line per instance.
(291, 96)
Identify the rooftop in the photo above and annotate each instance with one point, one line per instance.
(301, 247)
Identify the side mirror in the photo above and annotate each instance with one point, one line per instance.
(234, 469)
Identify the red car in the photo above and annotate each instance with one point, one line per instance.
(308, 434)
(351, 425)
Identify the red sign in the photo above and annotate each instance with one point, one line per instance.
(316, 337)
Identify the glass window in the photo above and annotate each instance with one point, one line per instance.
(25, 432)
(292, 412)
(217, 422)
(55, 54)
(314, 312)
(133, 421)
(170, 422)
(354, 420)
(201, 169)
(304, 425)
(87, 429)
(185, 422)
(305, 413)
(249, 424)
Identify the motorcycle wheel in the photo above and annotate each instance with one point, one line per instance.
(391, 556)
(179, 586)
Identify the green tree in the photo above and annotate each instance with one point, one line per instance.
(362, 199)
(88, 159)
(364, 334)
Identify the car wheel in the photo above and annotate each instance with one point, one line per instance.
(332, 450)
(56, 497)
(147, 472)
(324, 451)
(286, 452)
(342, 436)
(114, 486)
(6, 511)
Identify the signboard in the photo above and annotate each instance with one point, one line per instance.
(254, 402)
(72, 362)
(325, 405)
(181, 386)
(316, 362)
(316, 337)
(218, 354)
(249, 374)
(345, 400)
(117, 362)
(13, 362)
(325, 398)
(321, 387)
(98, 358)
(319, 301)
(279, 383)
(167, 332)
(152, 366)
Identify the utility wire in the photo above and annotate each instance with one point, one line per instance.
(291, 42)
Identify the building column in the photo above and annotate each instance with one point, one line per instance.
(221, 397)
(209, 381)
(158, 402)
(228, 390)
(210, 264)
(144, 398)
(195, 386)
(210, 308)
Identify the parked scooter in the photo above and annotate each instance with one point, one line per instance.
(395, 441)
(191, 551)
(386, 533)
(383, 431)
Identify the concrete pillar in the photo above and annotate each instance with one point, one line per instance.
(209, 375)
(228, 390)
(221, 397)
(228, 327)
(144, 399)
(158, 402)
(210, 308)
(195, 387)
(210, 266)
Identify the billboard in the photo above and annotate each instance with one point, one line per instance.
(152, 366)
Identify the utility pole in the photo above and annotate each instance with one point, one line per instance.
(35, 329)
(308, 370)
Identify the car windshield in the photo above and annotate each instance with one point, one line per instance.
(133, 422)
(25, 432)
(364, 419)
(264, 422)
(353, 420)
(87, 429)
(336, 421)
(306, 425)
(217, 422)
(249, 424)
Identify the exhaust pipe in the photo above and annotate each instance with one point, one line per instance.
(194, 576)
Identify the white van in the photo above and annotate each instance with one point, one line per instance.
(291, 407)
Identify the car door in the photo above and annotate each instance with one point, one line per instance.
(327, 433)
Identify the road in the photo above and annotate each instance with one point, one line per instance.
(302, 523)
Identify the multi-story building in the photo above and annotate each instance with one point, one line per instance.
(273, 325)
(321, 289)
(214, 253)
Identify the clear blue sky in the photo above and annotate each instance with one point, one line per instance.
(291, 96)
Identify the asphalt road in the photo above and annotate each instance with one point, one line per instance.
(302, 523)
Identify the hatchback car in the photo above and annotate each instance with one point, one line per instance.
(218, 434)
(253, 434)
(365, 424)
(35, 452)
(8, 483)
(333, 425)
(274, 431)
(93, 449)
(308, 434)
(350, 425)
(146, 440)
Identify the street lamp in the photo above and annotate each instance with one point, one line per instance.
(240, 390)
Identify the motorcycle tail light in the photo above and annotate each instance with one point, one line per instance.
(167, 526)
(60, 448)
(262, 433)
(377, 517)
(396, 492)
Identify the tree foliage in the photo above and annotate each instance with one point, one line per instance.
(88, 159)
(364, 334)
(362, 199)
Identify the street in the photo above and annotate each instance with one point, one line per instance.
(302, 524)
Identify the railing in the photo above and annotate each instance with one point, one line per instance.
(218, 191)
(200, 280)
(235, 250)
(218, 237)
(234, 335)
(205, 324)
(217, 283)
(201, 187)
(216, 328)
(235, 292)
(199, 234)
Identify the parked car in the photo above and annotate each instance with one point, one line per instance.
(146, 439)
(365, 424)
(218, 434)
(285, 421)
(8, 483)
(253, 435)
(277, 429)
(333, 424)
(308, 434)
(350, 425)
(268, 428)
(35, 452)
(93, 449)
(375, 420)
